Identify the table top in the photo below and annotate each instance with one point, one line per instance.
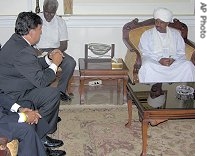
(171, 96)
(100, 64)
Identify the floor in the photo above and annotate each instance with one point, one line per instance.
(108, 93)
(82, 129)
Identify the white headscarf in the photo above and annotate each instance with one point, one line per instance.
(163, 14)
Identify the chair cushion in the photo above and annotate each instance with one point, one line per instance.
(13, 147)
(129, 61)
(188, 51)
(135, 34)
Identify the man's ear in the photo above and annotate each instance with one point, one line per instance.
(31, 32)
(29, 37)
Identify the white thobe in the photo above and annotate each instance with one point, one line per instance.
(169, 45)
(52, 32)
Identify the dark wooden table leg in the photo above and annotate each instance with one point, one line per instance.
(144, 137)
(118, 90)
(82, 90)
(125, 81)
(145, 123)
(128, 124)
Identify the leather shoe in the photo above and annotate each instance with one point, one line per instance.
(59, 119)
(50, 142)
(51, 152)
(64, 97)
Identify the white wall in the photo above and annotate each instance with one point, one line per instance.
(131, 7)
(13, 7)
(104, 7)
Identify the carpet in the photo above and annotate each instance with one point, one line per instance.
(95, 131)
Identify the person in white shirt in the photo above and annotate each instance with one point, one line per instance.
(163, 53)
(55, 36)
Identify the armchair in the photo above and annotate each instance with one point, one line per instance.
(132, 32)
(8, 148)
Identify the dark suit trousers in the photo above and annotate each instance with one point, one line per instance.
(68, 65)
(46, 101)
(29, 141)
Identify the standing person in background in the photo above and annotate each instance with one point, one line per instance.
(55, 36)
(25, 77)
(163, 52)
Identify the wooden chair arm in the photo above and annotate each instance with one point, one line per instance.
(4, 150)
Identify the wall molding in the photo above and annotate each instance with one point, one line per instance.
(92, 21)
(129, 7)
(103, 7)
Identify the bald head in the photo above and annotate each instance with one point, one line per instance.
(49, 9)
(50, 5)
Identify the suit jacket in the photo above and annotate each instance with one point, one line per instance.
(6, 116)
(21, 69)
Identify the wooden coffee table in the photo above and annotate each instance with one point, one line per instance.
(173, 108)
(101, 69)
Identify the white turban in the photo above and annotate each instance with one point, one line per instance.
(163, 14)
(156, 102)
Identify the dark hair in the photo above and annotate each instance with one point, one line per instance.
(27, 21)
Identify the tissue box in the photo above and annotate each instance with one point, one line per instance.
(117, 63)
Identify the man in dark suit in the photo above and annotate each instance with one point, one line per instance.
(25, 77)
(19, 126)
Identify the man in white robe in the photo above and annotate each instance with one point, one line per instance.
(55, 36)
(163, 53)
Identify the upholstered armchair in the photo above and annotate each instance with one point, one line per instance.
(132, 32)
(8, 148)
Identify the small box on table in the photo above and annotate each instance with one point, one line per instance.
(117, 63)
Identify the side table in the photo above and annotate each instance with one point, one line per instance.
(101, 69)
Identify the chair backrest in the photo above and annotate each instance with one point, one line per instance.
(132, 32)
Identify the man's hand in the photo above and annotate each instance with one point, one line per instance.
(23, 110)
(166, 61)
(56, 56)
(32, 117)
